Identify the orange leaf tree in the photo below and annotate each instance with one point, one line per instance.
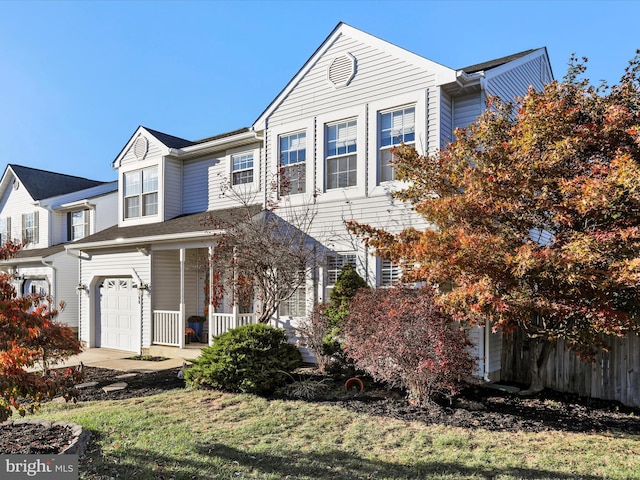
(30, 337)
(535, 214)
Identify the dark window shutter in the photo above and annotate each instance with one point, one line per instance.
(69, 230)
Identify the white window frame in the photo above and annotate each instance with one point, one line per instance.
(386, 172)
(243, 165)
(418, 100)
(5, 230)
(30, 230)
(82, 227)
(142, 194)
(289, 168)
(346, 162)
(360, 189)
(273, 154)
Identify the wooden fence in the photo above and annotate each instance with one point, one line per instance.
(614, 375)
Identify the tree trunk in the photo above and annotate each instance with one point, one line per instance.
(539, 355)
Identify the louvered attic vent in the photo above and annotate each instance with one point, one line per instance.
(342, 70)
(140, 147)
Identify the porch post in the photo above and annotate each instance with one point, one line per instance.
(182, 323)
(235, 291)
(209, 309)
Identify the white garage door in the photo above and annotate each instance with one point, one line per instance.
(117, 322)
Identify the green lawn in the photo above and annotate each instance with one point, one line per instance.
(189, 434)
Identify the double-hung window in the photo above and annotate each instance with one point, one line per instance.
(30, 227)
(341, 160)
(5, 230)
(389, 273)
(242, 168)
(335, 264)
(396, 127)
(293, 157)
(77, 224)
(141, 193)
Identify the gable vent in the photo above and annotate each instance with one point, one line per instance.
(141, 147)
(342, 70)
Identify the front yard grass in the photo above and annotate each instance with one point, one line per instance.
(203, 434)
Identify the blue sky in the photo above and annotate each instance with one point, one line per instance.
(77, 78)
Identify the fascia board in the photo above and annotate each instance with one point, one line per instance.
(443, 74)
(240, 139)
(143, 240)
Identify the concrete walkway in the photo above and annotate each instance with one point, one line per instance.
(119, 360)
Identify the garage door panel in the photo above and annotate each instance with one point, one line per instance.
(117, 320)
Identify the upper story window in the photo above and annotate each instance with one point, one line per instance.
(389, 273)
(141, 193)
(335, 264)
(77, 225)
(293, 157)
(396, 127)
(5, 230)
(341, 159)
(242, 168)
(30, 227)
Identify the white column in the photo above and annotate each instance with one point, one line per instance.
(183, 323)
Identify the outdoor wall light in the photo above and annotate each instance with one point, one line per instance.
(143, 286)
(82, 288)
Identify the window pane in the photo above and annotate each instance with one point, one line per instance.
(150, 180)
(132, 207)
(150, 205)
(131, 183)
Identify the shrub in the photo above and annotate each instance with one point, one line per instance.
(249, 359)
(400, 336)
(313, 330)
(30, 336)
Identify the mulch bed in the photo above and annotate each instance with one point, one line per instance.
(477, 407)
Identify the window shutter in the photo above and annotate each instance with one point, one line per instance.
(87, 217)
(69, 227)
(9, 237)
(24, 227)
(35, 227)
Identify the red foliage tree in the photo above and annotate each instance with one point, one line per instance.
(402, 337)
(30, 337)
(535, 211)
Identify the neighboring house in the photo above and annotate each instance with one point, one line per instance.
(44, 211)
(329, 132)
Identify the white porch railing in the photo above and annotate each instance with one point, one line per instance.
(222, 322)
(166, 327)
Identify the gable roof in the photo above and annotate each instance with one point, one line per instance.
(44, 184)
(445, 74)
(484, 66)
(170, 140)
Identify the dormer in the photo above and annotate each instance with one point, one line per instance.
(147, 191)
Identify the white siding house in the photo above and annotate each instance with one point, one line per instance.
(330, 131)
(44, 211)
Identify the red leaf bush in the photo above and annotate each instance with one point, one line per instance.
(400, 336)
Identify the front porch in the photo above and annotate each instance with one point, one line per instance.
(168, 328)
